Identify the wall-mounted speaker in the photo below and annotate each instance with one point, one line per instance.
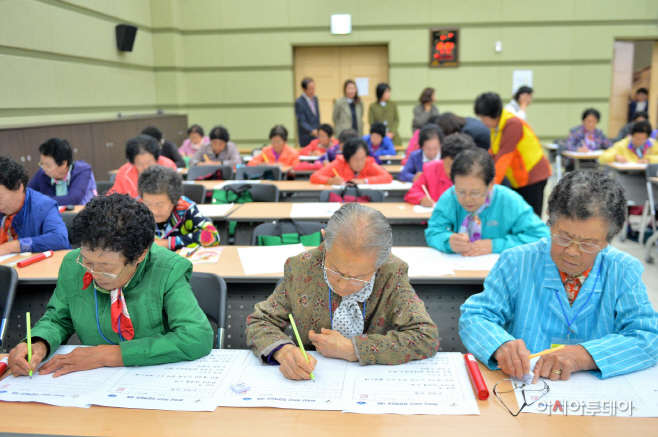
(126, 37)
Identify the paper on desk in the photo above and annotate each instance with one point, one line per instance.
(214, 211)
(186, 386)
(205, 255)
(5, 257)
(635, 394)
(223, 184)
(630, 165)
(592, 154)
(482, 262)
(423, 209)
(424, 261)
(309, 157)
(334, 382)
(74, 389)
(313, 209)
(437, 385)
(259, 260)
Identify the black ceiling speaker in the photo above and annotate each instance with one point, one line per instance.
(126, 37)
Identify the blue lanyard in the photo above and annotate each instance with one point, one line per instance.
(98, 325)
(331, 317)
(564, 311)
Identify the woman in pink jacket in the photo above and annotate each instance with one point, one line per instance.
(436, 174)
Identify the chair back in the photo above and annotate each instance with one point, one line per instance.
(103, 186)
(195, 192)
(8, 285)
(285, 226)
(264, 193)
(68, 218)
(210, 291)
(203, 170)
(375, 195)
(258, 172)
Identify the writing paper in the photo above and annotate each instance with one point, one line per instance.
(259, 260)
(483, 262)
(424, 261)
(186, 386)
(215, 211)
(314, 209)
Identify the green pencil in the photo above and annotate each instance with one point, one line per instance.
(299, 340)
(29, 342)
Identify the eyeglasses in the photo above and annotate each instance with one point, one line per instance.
(103, 274)
(476, 195)
(337, 276)
(534, 394)
(561, 240)
(41, 164)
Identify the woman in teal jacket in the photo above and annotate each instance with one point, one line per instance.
(476, 217)
(128, 298)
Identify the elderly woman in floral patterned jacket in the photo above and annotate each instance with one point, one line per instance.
(350, 299)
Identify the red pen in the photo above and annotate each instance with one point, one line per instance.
(4, 365)
(35, 258)
(476, 377)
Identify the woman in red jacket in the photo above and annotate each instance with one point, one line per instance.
(354, 165)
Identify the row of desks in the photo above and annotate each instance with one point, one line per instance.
(493, 420)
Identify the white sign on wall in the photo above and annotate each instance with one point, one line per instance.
(521, 78)
(362, 86)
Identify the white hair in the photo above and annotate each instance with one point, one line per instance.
(360, 229)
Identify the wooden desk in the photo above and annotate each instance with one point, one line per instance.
(393, 169)
(494, 421)
(406, 224)
(391, 159)
(627, 167)
(305, 191)
(578, 156)
(181, 171)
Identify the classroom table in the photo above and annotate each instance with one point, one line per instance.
(305, 191)
(408, 226)
(391, 159)
(580, 156)
(393, 169)
(493, 421)
(442, 295)
(181, 171)
(633, 179)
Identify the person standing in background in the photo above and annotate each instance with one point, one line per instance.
(348, 110)
(640, 104)
(167, 148)
(516, 150)
(626, 129)
(307, 112)
(385, 111)
(424, 110)
(519, 104)
(194, 142)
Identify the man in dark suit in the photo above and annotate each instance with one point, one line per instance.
(640, 104)
(308, 113)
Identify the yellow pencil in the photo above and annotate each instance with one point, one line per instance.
(267, 161)
(547, 351)
(205, 158)
(299, 340)
(335, 172)
(29, 341)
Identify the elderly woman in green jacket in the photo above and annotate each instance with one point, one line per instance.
(128, 298)
(350, 299)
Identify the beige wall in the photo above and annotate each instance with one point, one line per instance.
(231, 62)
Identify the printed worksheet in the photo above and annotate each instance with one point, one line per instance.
(483, 262)
(332, 388)
(437, 385)
(74, 389)
(632, 395)
(424, 261)
(185, 386)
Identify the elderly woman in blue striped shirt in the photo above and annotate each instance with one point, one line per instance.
(572, 289)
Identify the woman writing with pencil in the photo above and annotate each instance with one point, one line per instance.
(571, 289)
(129, 299)
(354, 165)
(278, 152)
(476, 217)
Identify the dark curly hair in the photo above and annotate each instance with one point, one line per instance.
(581, 195)
(352, 146)
(158, 179)
(12, 174)
(115, 223)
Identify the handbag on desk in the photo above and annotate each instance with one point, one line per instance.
(345, 198)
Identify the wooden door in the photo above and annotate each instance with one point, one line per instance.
(13, 145)
(331, 66)
(109, 147)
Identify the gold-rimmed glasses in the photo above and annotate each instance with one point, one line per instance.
(561, 240)
(337, 276)
(528, 392)
(103, 274)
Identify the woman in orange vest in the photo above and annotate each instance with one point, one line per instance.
(515, 149)
(278, 152)
(353, 165)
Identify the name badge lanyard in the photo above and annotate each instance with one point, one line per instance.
(564, 311)
(98, 322)
(331, 316)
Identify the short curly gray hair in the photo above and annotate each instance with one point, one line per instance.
(158, 180)
(581, 195)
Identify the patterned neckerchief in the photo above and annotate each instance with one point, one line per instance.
(472, 225)
(572, 285)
